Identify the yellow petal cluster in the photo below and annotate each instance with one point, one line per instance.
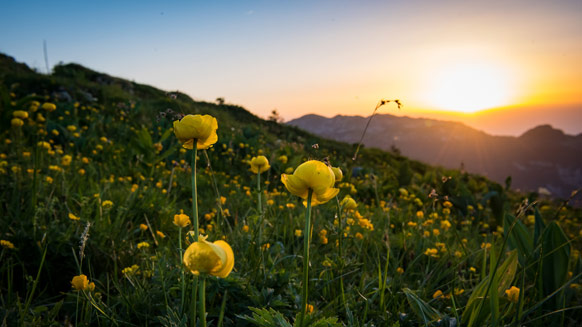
(512, 294)
(181, 220)
(216, 259)
(259, 164)
(81, 283)
(49, 106)
(348, 203)
(312, 175)
(201, 128)
(337, 172)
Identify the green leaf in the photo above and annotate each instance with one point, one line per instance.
(421, 308)
(556, 254)
(501, 282)
(519, 237)
(539, 226)
(266, 318)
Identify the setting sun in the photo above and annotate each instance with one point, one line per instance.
(469, 87)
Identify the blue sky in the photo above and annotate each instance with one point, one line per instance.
(301, 57)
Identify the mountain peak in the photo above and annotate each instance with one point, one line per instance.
(543, 132)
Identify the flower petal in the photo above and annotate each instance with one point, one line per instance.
(295, 185)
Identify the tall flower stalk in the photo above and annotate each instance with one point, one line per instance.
(196, 132)
(313, 181)
(306, 241)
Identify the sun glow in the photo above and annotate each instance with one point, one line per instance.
(469, 87)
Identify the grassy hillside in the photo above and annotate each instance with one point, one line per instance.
(93, 187)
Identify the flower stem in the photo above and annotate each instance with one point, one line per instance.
(306, 238)
(195, 192)
(182, 270)
(202, 293)
(341, 236)
(260, 204)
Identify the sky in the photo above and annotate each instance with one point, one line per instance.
(499, 66)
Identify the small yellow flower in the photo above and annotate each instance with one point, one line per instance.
(431, 252)
(20, 114)
(196, 127)
(359, 236)
(143, 245)
(6, 244)
(298, 232)
(309, 308)
(16, 122)
(512, 294)
(143, 227)
(160, 234)
(337, 172)
(216, 259)
(222, 200)
(419, 214)
(245, 228)
(312, 175)
(107, 204)
(283, 159)
(265, 246)
(445, 224)
(181, 220)
(472, 270)
(447, 204)
(348, 203)
(259, 164)
(49, 106)
(437, 294)
(73, 217)
(81, 283)
(400, 270)
(66, 160)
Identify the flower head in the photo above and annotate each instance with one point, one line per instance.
(196, 127)
(348, 203)
(216, 258)
(312, 175)
(337, 172)
(20, 114)
(259, 164)
(81, 283)
(49, 106)
(512, 294)
(181, 220)
(16, 122)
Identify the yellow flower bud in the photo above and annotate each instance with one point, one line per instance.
(259, 164)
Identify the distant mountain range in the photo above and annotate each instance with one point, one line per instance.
(541, 159)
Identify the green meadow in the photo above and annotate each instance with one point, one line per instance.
(95, 182)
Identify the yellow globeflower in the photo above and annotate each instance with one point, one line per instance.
(312, 175)
(20, 114)
(81, 283)
(216, 259)
(201, 128)
(259, 164)
(16, 122)
(337, 173)
(49, 106)
(283, 159)
(512, 294)
(181, 220)
(348, 203)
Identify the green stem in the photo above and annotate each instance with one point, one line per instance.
(306, 237)
(203, 301)
(181, 270)
(194, 302)
(195, 192)
(260, 204)
(341, 236)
